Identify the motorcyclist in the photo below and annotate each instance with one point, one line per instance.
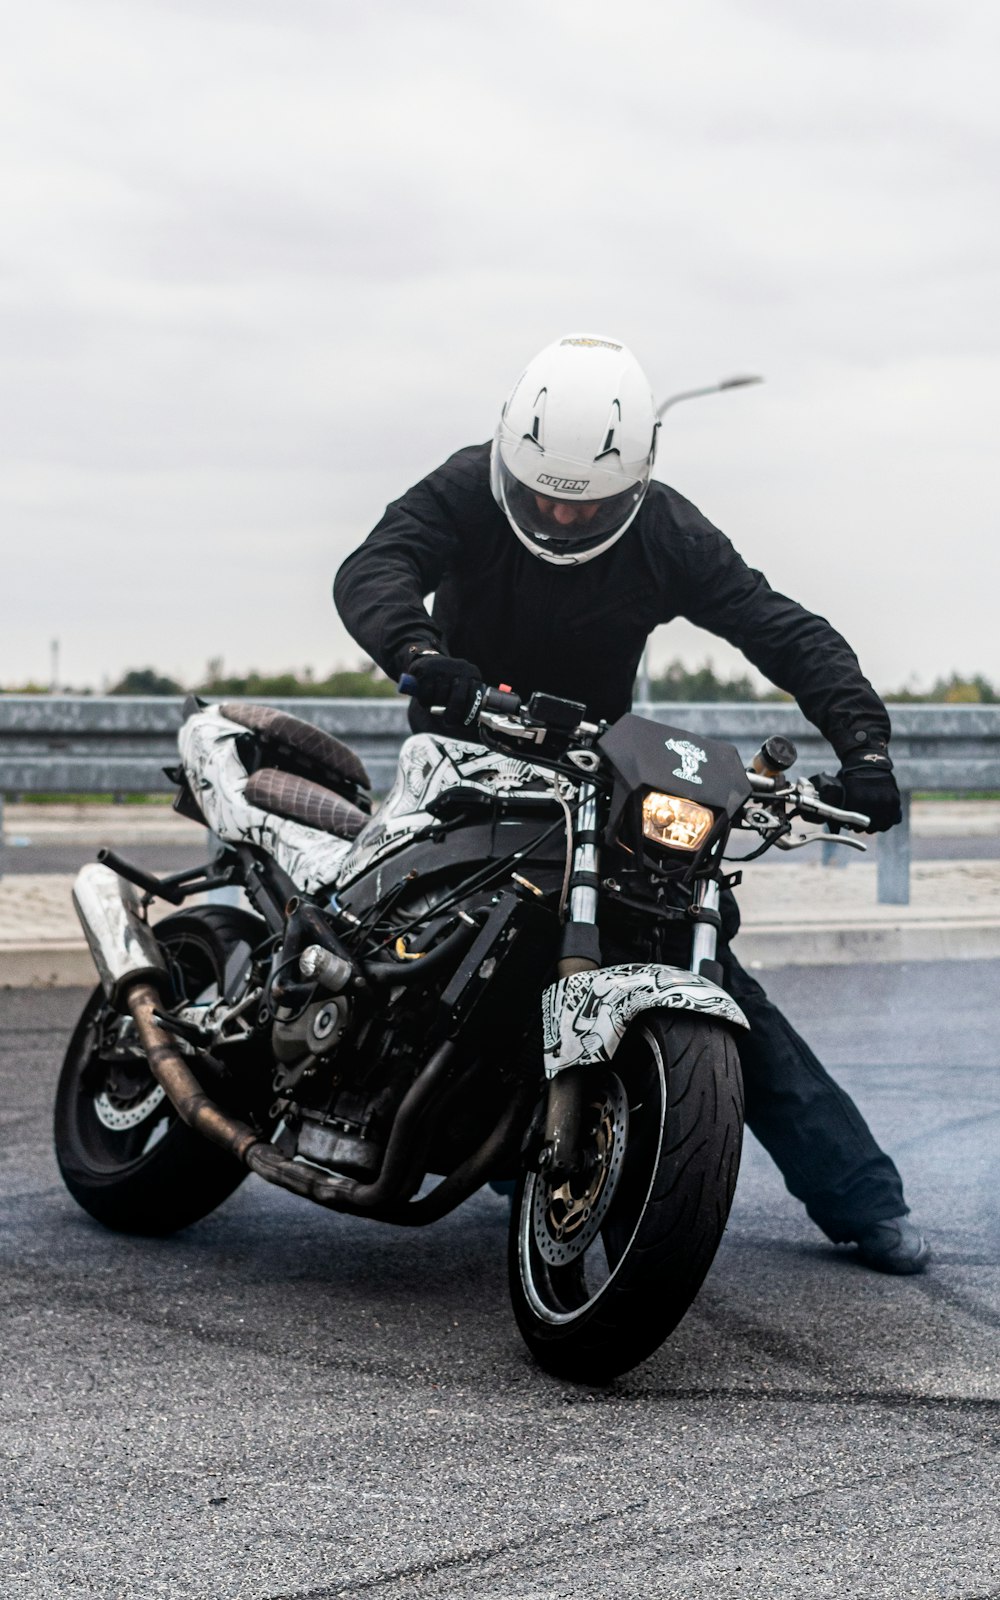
(552, 555)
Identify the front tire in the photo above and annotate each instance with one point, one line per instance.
(601, 1273)
(124, 1154)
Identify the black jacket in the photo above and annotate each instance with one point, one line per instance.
(580, 631)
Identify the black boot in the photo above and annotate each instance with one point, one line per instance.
(894, 1246)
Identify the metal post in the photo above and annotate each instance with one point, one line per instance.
(893, 857)
(642, 678)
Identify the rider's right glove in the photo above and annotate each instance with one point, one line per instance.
(449, 682)
(869, 786)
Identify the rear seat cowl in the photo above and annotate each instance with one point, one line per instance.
(324, 755)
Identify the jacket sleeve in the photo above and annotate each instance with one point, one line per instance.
(797, 650)
(380, 589)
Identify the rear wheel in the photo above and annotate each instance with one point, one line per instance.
(603, 1269)
(123, 1152)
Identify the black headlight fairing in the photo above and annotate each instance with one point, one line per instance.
(638, 752)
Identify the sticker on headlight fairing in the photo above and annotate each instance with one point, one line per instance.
(691, 759)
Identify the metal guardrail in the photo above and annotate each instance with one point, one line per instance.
(65, 744)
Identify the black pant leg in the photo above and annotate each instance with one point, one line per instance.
(810, 1127)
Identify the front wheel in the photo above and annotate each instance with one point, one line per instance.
(603, 1268)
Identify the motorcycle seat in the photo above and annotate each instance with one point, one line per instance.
(296, 744)
(301, 800)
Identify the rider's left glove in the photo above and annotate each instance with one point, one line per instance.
(869, 786)
(450, 682)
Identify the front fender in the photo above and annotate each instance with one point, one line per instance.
(585, 1015)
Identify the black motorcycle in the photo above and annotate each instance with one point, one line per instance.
(507, 971)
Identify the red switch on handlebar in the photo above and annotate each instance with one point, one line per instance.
(505, 688)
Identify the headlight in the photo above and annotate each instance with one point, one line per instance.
(679, 824)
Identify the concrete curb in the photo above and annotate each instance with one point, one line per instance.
(47, 966)
(68, 963)
(841, 944)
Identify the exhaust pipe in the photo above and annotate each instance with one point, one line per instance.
(179, 1083)
(121, 941)
(132, 971)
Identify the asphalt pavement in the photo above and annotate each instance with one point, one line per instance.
(284, 1404)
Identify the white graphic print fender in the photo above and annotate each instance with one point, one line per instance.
(584, 1016)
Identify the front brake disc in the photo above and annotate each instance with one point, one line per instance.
(563, 1224)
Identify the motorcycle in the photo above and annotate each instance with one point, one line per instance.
(507, 971)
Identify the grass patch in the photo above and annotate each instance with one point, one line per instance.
(956, 794)
(90, 799)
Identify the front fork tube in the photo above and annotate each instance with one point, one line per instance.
(560, 1154)
(707, 923)
(580, 949)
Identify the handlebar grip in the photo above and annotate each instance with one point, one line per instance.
(501, 701)
(829, 788)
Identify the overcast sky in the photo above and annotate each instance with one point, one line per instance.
(262, 265)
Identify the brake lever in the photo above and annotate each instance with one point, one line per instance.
(819, 838)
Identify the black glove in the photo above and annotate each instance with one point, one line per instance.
(450, 682)
(869, 786)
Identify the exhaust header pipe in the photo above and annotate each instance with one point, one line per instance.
(121, 941)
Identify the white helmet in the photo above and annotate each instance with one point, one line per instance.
(574, 449)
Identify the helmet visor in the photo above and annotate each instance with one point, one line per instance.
(566, 526)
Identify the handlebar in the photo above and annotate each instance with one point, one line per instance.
(807, 794)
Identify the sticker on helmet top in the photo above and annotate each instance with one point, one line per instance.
(593, 344)
(566, 485)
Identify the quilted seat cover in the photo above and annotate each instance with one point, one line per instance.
(321, 754)
(304, 801)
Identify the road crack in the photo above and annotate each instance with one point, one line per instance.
(465, 1558)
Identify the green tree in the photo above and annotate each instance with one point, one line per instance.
(953, 690)
(363, 681)
(678, 682)
(144, 680)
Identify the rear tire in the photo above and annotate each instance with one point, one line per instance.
(600, 1280)
(124, 1154)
